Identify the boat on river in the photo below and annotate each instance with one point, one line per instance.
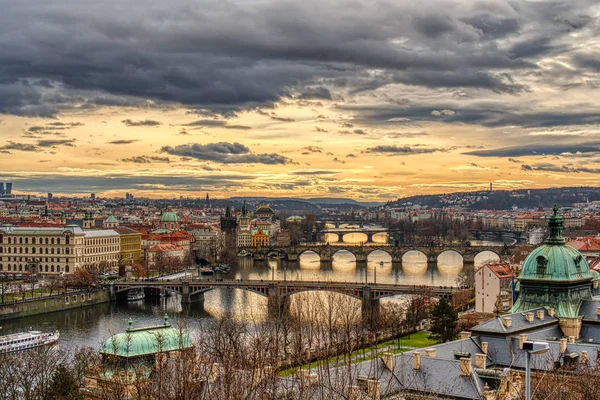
(135, 295)
(206, 271)
(27, 340)
(222, 269)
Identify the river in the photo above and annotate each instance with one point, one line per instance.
(92, 325)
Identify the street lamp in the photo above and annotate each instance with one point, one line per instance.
(530, 348)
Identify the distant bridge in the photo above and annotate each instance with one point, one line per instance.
(361, 252)
(278, 292)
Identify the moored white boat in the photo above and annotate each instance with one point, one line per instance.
(135, 294)
(27, 340)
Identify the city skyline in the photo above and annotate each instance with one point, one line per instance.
(370, 101)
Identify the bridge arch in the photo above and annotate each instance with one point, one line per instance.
(384, 250)
(450, 252)
(208, 289)
(364, 238)
(351, 293)
(309, 251)
(336, 251)
(416, 252)
(486, 255)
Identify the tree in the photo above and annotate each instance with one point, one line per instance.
(82, 277)
(443, 322)
(63, 386)
(138, 271)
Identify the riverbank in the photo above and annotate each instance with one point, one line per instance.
(50, 304)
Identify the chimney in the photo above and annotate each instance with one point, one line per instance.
(484, 347)
(417, 360)
(354, 393)
(373, 389)
(430, 353)
(465, 334)
(563, 345)
(584, 357)
(522, 339)
(507, 321)
(480, 360)
(388, 360)
(571, 339)
(551, 311)
(214, 372)
(541, 314)
(465, 366)
(529, 316)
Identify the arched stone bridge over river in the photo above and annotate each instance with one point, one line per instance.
(278, 292)
(361, 252)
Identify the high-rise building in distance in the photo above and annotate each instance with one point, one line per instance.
(1, 188)
(93, 196)
(49, 196)
(8, 189)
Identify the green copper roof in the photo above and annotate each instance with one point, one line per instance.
(111, 219)
(146, 341)
(551, 262)
(554, 275)
(169, 216)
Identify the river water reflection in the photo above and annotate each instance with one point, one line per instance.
(92, 325)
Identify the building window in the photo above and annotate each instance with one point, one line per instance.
(542, 262)
(32, 240)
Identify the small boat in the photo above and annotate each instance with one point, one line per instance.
(27, 340)
(222, 269)
(135, 294)
(206, 271)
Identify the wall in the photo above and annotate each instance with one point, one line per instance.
(53, 304)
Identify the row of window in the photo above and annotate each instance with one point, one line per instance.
(42, 250)
(93, 250)
(95, 242)
(46, 259)
(34, 240)
(42, 268)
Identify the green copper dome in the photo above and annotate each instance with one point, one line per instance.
(111, 219)
(169, 216)
(146, 341)
(554, 260)
(554, 275)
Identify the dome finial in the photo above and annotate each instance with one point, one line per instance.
(167, 320)
(130, 323)
(555, 224)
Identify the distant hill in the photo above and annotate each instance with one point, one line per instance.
(505, 199)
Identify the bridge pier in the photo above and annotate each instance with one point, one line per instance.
(278, 306)
(292, 256)
(469, 259)
(432, 262)
(185, 293)
(370, 308)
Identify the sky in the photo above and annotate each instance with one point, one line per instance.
(371, 100)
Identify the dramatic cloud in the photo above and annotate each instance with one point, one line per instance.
(19, 147)
(53, 143)
(226, 153)
(146, 122)
(123, 141)
(537, 149)
(559, 168)
(394, 150)
(146, 159)
(216, 123)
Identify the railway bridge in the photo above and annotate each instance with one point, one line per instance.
(278, 292)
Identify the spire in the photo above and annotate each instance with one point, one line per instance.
(228, 212)
(555, 223)
(244, 209)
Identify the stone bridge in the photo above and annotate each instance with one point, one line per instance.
(278, 292)
(361, 252)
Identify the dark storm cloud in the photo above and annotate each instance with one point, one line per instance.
(146, 159)
(537, 149)
(215, 123)
(567, 168)
(514, 160)
(81, 184)
(53, 143)
(19, 146)
(394, 150)
(315, 172)
(145, 122)
(123, 141)
(483, 114)
(226, 153)
(230, 58)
